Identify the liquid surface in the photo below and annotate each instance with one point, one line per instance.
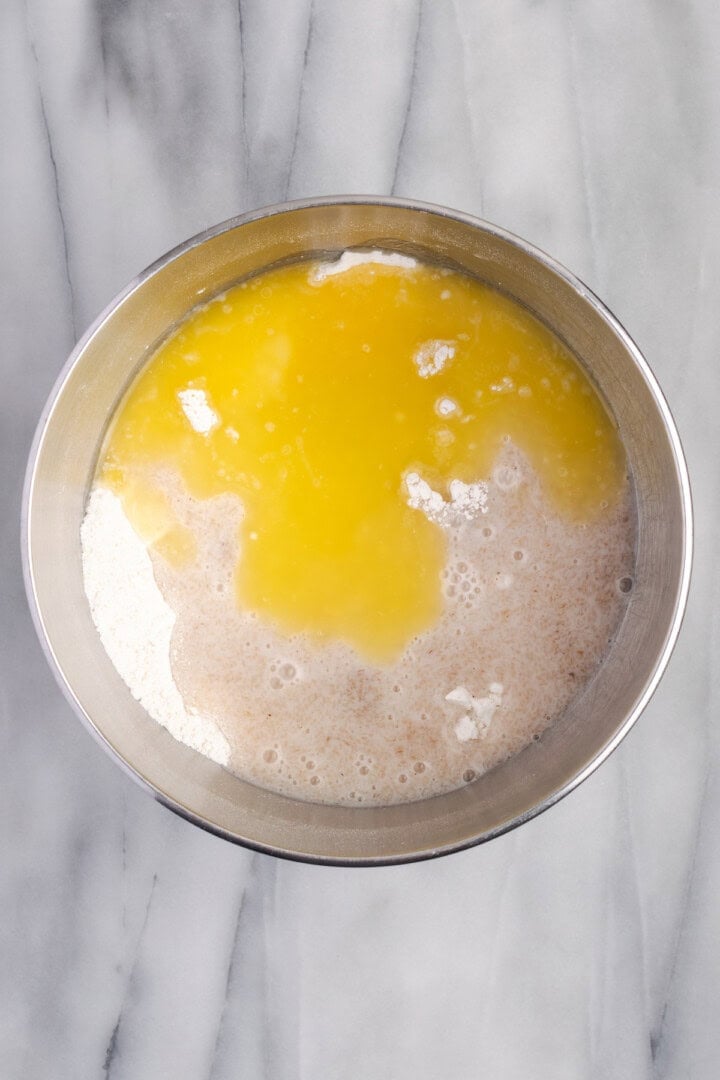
(359, 531)
(338, 407)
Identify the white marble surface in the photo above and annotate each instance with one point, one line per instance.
(587, 944)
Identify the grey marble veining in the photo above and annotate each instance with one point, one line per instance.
(586, 944)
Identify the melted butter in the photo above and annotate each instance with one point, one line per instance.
(317, 397)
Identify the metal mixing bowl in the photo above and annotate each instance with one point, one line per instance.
(63, 460)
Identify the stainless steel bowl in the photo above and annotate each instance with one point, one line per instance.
(62, 463)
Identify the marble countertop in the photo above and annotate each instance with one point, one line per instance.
(132, 945)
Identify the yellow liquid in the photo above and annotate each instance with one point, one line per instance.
(324, 396)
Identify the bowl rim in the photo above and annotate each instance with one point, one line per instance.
(586, 294)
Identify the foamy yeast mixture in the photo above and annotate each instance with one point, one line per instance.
(359, 531)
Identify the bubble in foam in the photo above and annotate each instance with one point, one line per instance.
(625, 584)
(287, 671)
(270, 756)
(506, 477)
(469, 775)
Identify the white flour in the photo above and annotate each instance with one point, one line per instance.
(475, 723)
(136, 624)
(432, 356)
(349, 259)
(466, 501)
(197, 409)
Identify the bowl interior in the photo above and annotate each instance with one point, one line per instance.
(64, 460)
